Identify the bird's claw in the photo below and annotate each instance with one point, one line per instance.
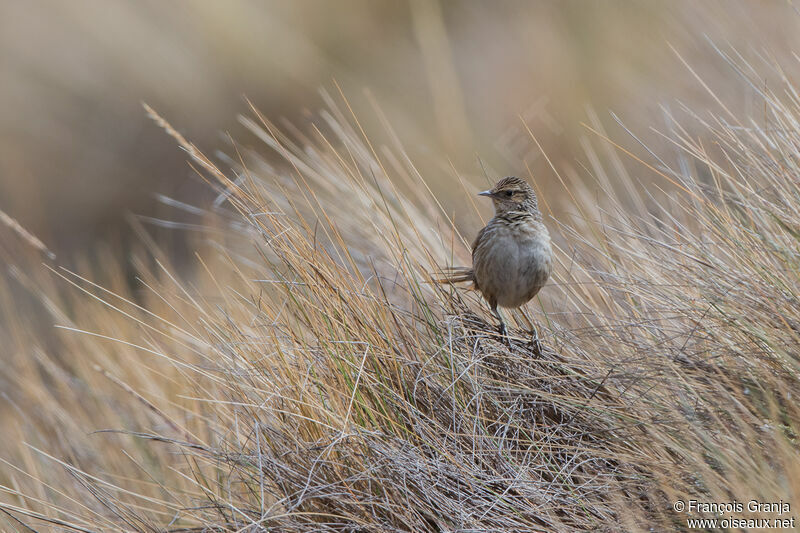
(502, 330)
(536, 344)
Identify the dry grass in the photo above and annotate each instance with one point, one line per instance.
(309, 377)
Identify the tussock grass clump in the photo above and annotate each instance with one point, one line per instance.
(311, 377)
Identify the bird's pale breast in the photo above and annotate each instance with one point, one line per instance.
(512, 260)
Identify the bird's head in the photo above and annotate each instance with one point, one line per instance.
(512, 194)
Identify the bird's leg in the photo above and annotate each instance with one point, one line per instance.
(535, 342)
(502, 328)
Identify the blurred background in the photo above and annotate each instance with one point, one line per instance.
(456, 79)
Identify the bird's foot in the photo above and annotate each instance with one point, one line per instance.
(535, 343)
(503, 332)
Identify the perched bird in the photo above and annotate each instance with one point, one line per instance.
(511, 256)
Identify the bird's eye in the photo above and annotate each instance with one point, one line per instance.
(509, 194)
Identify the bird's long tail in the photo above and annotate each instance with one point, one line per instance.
(455, 275)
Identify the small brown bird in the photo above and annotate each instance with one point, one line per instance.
(511, 256)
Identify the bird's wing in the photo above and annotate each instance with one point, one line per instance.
(478, 240)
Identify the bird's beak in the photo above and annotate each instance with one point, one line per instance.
(485, 193)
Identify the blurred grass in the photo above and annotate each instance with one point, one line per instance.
(453, 78)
